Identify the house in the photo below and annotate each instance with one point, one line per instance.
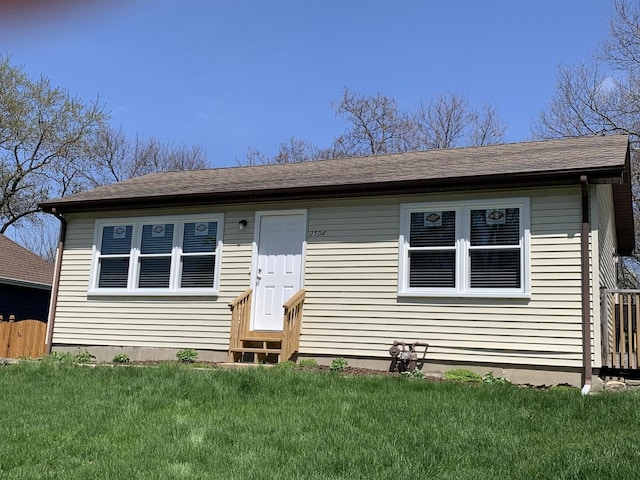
(494, 256)
(25, 282)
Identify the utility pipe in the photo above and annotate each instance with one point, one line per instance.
(586, 295)
(56, 279)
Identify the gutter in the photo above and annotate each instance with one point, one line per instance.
(56, 279)
(586, 296)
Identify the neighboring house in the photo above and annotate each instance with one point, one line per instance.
(477, 251)
(25, 282)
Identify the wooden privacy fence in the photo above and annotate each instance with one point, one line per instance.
(23, 339)
(620, 311)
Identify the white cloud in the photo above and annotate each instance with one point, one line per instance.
(607, 85)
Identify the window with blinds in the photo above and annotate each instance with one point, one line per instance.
(157, 256)
(198, 254)
(432, 249)
(494, 248)
(154, 258)
(113, 259)
(465, 248)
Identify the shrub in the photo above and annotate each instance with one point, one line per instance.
(462, 375)
(338, 364)
(121, 358)
(187, 355)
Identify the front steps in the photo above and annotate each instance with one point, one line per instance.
(257, 350)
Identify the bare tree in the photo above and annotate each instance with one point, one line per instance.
(294, 150)
(622, 49)
(586, 102)
(114, 157)
(487, 128)
(253, 157)
(376, 125)
(443, 121)
(53, 144)
(43, 135)
(602, 98)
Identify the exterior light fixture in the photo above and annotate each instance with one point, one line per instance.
(242, 224)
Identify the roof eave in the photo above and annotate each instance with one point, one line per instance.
(25, 283)
(623, 211)
(548, 178)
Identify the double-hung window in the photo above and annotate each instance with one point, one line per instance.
(465, 249)
(157, 255)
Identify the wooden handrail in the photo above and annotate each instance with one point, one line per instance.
(295, 299)
(620, 310)
(240, 317)
(291, 324)
(239, 298)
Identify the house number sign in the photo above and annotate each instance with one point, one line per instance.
(316, 233)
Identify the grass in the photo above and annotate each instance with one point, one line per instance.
(62, 421)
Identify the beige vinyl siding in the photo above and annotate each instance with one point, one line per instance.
(606, 264)
(353, 308)
(162, 321)
(607, 236)
(351, 278)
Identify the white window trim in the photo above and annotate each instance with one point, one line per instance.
(462, 274)
(176, 254)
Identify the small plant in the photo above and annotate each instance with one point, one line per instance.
(288, 365)
(490, 378)
(121, 358)
(338, 364)
(67, 357)
(415, 374)
(308, 363)
(82, 357)
(187, 355)
(58, 357)
(462, 375)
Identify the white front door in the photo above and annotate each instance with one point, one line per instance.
(278, 270)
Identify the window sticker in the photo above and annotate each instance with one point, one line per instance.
(158, 230)
(496, 216)
(119, 232)
(201, 229)
(432, 219)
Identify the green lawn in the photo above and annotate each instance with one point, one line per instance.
(172, 422)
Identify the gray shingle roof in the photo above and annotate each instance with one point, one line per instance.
(548, 161)
(19, 265)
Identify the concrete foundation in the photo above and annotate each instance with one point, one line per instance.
(138, 354)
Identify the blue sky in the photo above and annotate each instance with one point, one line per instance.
(229, 75)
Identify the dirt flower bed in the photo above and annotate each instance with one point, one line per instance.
(347, 371)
